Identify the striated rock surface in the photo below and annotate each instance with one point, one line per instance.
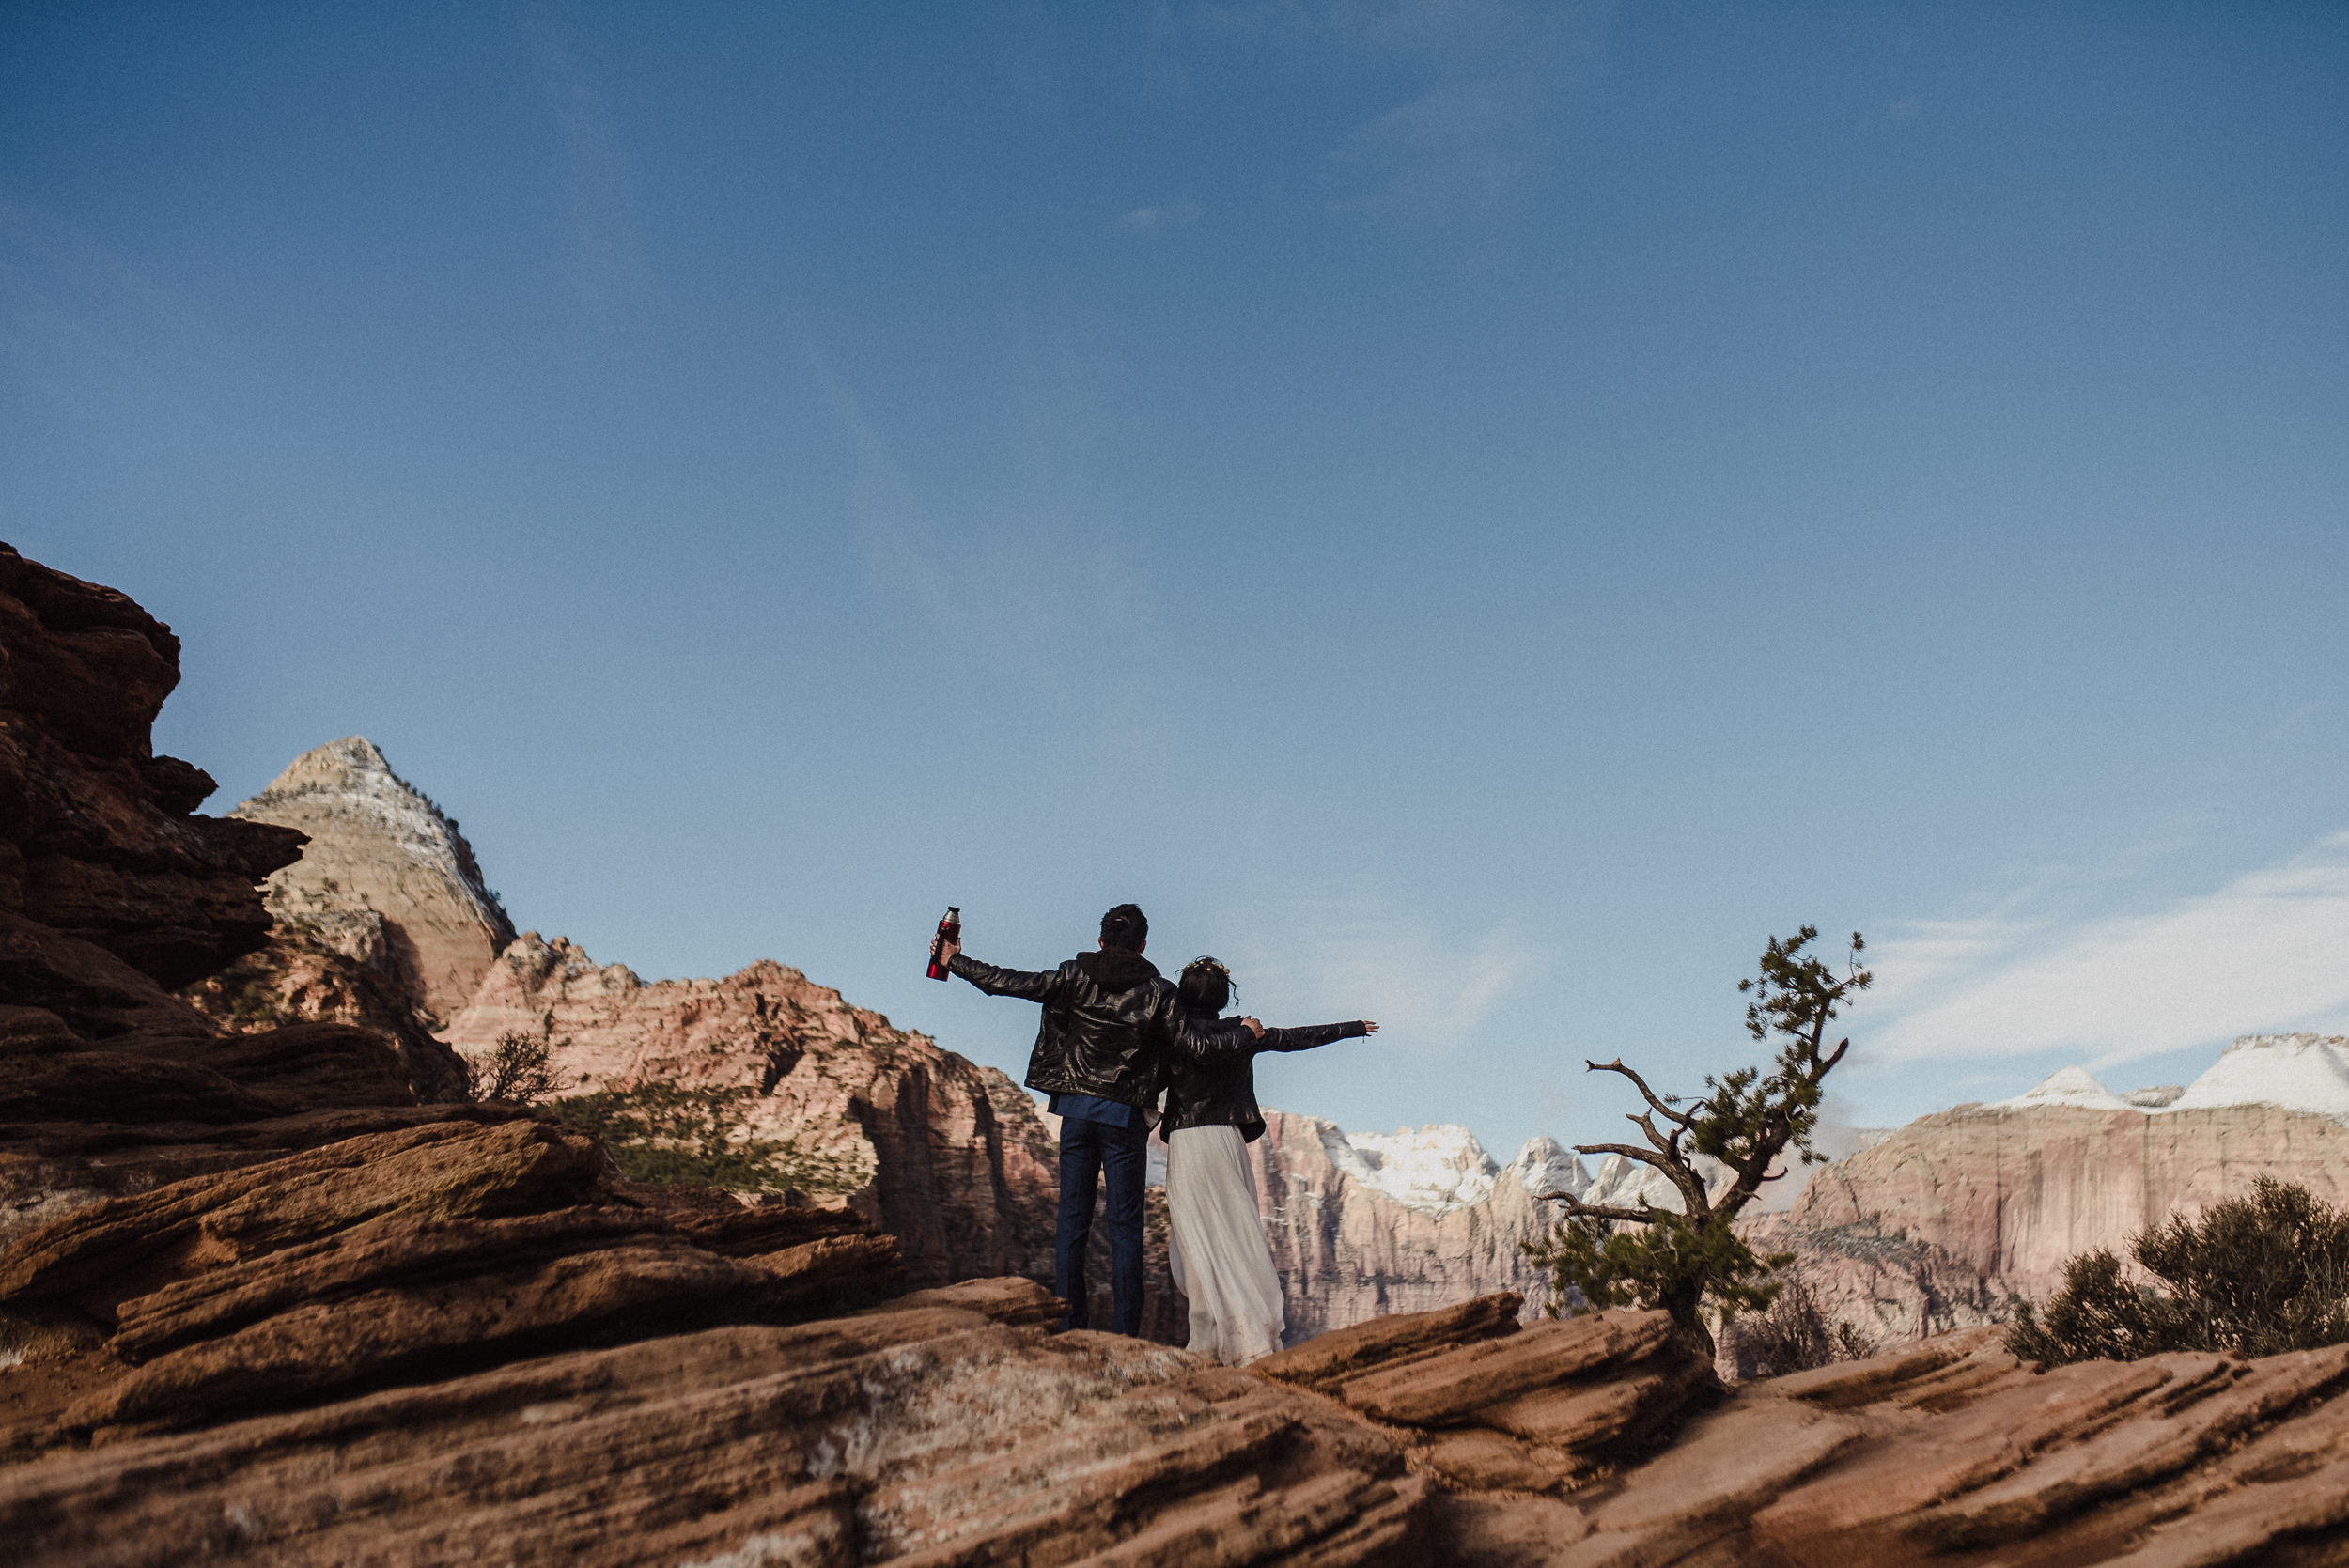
(386, 880)
(935, 1431)
(948, 1157)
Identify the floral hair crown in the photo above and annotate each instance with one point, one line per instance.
(1215, 964)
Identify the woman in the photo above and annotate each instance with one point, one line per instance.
(1217, 1245)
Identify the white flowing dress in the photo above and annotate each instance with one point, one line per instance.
(1217, 1247)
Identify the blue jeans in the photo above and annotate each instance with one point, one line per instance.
(1088, 1150)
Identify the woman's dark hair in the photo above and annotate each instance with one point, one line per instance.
(1206, 985)
(1125, 926)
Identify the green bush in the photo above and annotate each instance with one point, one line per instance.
(659, 1132)
(2259, 1275)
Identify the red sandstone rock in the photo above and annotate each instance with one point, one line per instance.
(296, 979)
(948, 1157)
(1325, 1361)
(1450, 1389)
(911, 1436)
(1349, 1252)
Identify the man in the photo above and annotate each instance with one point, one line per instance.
(1109, 1020)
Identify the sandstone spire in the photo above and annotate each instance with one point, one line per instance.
(386, 878)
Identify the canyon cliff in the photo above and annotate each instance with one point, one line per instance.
(1944, 1220)
(1366, 1224)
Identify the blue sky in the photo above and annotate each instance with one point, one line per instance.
(1477, 513)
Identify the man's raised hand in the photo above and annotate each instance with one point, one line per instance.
(1255, 1027)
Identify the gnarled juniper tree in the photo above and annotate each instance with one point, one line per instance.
(1686, 1261)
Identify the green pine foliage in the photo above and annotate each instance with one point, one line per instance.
(659, 1132)
(1692, 1263)
(2258, 1275)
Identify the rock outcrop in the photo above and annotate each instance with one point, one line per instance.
(112, 892)
(386, 880)
(948, 1157)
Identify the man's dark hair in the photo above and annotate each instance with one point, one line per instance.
(1206, 985)
(1125, 926)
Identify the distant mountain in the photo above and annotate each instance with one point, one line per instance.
(386, 878)
(1943, 1221)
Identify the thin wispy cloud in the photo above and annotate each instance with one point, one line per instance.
(1034, 605)
(2268, 950)
(1474, 124)
(1151, 219)
(1316, 960)
(608, 264)
(1454, 150)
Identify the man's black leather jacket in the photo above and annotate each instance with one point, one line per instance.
(1111, 1023)
(1220, 1088)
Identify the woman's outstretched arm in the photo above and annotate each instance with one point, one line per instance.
(1310, 1035)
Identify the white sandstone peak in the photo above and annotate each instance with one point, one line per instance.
(2069, 1086)
(386, 876)
(2299, 1072)
(1431, 1169)
(1623, 1183)
(349, 779)
(1544, 1169)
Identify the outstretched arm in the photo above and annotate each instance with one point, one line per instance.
(1028, 985)
(1309, 1037)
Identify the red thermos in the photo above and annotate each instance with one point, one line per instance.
(949, 930)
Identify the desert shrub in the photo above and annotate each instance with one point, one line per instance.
(660, 1132)
(1690, 1262)
(518, 1071)
(1795, 1334)
(2260, 1274)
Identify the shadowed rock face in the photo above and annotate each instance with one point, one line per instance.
(111, 893)
(386, 878)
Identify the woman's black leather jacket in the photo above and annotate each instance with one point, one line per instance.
(1110, 1024)
(1219, 1088)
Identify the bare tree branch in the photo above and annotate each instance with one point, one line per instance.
(1663, 1106)
(1578, 1209)
(1629, 1151)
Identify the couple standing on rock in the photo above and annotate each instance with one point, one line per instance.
(1115, 1034)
